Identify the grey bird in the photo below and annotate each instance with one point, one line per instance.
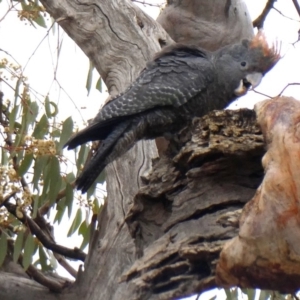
(180, 83)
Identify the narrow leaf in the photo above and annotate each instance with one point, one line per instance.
(48, 105)
(28, 251)
(66, 132)
(76, 222)
(18, 246)
(25, 164)
(43, 259)
(4, 157)
(40, 20)
(86, 236)
(32, 112)
(96, 206)
(83, 152)
(60, 211)
(99, 85)
(89, 77)
(41, 128)
(55, 179)
(3, 248)
(12, 117)
(69, 199)
(17, 90)
(36, 205)
(39, 166)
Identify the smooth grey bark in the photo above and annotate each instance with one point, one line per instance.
(119, 38)
(16, 287)
(208, 24)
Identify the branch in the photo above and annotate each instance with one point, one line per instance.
(14, 287)
(38, 276)
(259, 21)
(297, 6)
(63, 262)
(35, 229)
(71, 253)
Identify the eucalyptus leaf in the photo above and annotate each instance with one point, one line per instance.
(25, 164)
(66, 132)
(3, 248)
(29, 250)
(18, 247)
(76, 222)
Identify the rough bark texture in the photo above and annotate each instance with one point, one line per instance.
(191, 203)
(163, 239)
(266, 252)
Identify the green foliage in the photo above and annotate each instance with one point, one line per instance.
(35, 174)
(32, 12)
(67, 130)
(3, 247)
(89, 80)
(29, 250)
(76, 222)
(18, 246)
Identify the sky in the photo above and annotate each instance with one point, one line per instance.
(71, 66)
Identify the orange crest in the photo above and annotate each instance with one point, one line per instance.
(272, 52)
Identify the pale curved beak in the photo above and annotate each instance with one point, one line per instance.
(252, 79)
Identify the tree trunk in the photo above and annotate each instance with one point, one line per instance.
(162, 229)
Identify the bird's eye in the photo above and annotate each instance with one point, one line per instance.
(244, 64)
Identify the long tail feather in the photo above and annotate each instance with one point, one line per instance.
(98, 162)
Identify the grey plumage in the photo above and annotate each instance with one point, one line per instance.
(180, 83)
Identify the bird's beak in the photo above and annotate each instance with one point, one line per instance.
(252, 79)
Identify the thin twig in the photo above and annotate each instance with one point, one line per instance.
(62, 261)
(285, 15)
(260, 93)
(289, 84)
(10, 8)
(37, 47)
(147, 3)
(259, 21)
(297, 6)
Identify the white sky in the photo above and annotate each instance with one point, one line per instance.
(21, 41)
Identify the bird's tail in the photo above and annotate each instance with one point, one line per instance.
(99, 161)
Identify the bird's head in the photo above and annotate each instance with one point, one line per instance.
(246, 63)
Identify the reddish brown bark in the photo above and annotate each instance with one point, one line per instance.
(266, 252)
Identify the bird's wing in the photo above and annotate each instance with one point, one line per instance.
(171, 79)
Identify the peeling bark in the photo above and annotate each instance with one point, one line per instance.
(191, 203)
(266, 252)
